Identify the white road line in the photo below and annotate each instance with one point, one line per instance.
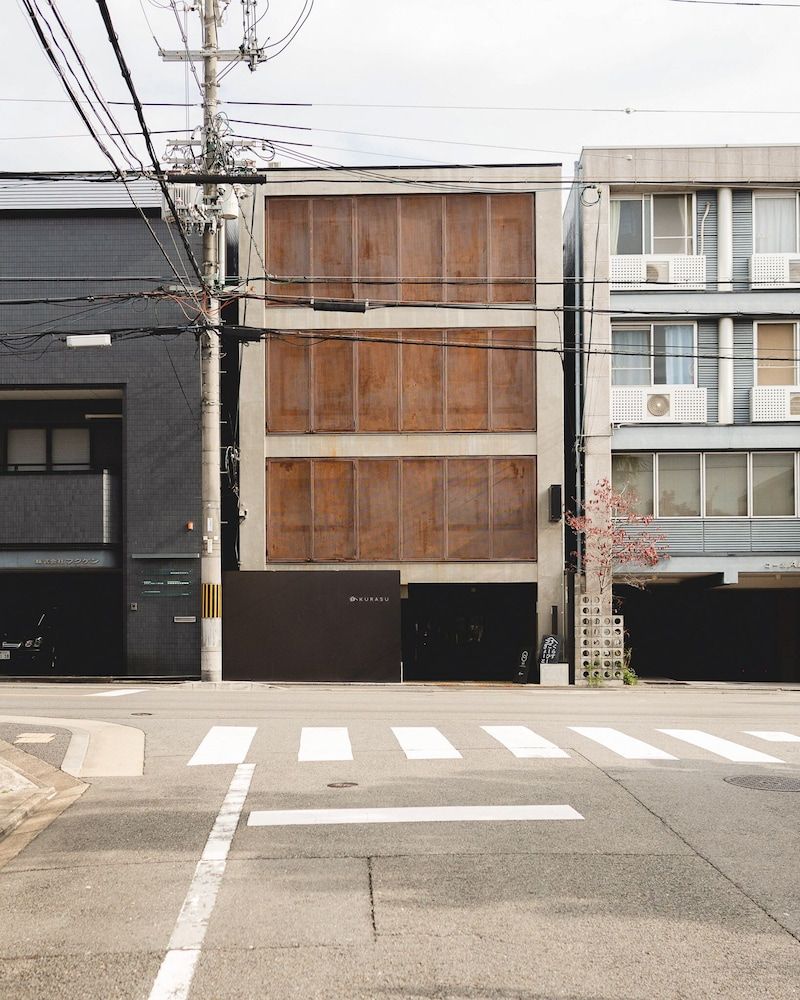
(175, 975)
(324, 743)
(625, 746)
(224, 745)
(424, 743)
(410, 814)
(113, 694)
(523, 742)
(773, 737)
(723, 748)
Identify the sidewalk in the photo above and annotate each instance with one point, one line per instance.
(19, 796)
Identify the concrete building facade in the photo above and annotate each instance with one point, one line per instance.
(684, 265)
(404, 412)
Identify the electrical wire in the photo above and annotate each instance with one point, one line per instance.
(159, 173)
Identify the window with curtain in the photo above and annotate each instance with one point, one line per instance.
(633, 476)
(627, 226)
(773, 484)
(673, 354)
(679, 485)
(661, 354)
(26, 449)
(653, 224)
(776, 354)
(775, 223)
(630, 361)
(726, 485)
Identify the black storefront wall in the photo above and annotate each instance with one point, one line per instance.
(312, 626)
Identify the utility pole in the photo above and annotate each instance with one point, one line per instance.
(218, 165)
(211, 556)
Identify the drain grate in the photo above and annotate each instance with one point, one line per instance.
(766, 782)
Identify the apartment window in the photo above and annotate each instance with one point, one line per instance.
(726, 485)
(773, 484)
(679, 485)
(655, 354)
(775, 222)
(633, 476)
(776, 354)
(652, 224)
(47, 449)
(720, 484)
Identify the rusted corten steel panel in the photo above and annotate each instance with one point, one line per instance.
(408, 509)
(475, 248)
(436, 381)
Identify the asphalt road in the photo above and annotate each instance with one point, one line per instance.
(655, 877)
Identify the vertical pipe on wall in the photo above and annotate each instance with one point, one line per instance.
(725, 351)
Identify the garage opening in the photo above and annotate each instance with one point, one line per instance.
(467, 632)
(60, 624)
(684, 632)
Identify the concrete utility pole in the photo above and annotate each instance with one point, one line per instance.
(211, 557)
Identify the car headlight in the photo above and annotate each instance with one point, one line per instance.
(37, 642)
(28, 643)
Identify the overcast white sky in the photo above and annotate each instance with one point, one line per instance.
(576, 54)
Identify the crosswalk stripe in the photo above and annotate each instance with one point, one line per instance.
(224, 745)
(410, 814)
(721, 747)
(523, 742)
(621, 744)
(424, 743)
(324, 743)
(773, 736)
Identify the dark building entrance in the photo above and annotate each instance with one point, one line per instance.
(467, 632)
(683, 632)
(60, 624)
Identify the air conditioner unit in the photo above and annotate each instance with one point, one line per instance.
(773, 403)
(658, 406)
(657, 272)
(774, 270)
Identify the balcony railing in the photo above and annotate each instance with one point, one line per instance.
(71, 508)
(658, 272)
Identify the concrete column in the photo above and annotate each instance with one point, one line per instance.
(725, 350)
(725, 239)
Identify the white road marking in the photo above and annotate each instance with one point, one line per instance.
(324, 743)
(114, 694)
(35, 738)
(224, 745)
(523, 742)
(174, 978)
(626, 746)
(424, 743)
(723, 748)
(773, 737)
(410, 814)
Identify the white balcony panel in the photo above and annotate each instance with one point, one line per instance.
(686, 404)
(664, 272)
(774, 270)
(774, 403)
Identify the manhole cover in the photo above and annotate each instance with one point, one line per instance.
(343, 784)
(766, 782)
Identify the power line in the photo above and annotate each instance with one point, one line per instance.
(126, 75)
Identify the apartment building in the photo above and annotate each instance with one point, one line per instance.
(685, 265)
(400, 425)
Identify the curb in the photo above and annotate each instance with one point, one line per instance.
(53, 791)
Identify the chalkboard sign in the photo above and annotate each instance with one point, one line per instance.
(523, 668)
(551, 649)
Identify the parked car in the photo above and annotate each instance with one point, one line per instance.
(28, 645)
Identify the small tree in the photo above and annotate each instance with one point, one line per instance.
(617, 547)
